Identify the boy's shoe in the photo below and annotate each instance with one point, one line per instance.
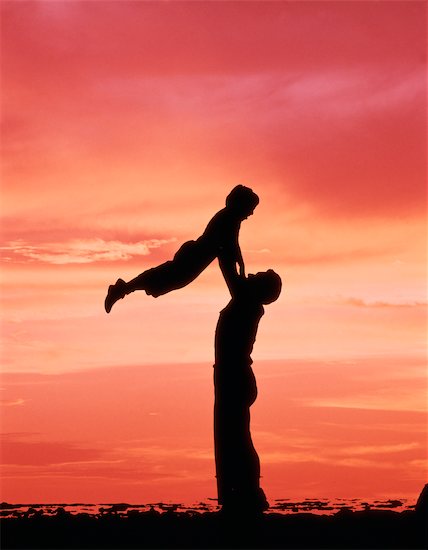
(115, 292)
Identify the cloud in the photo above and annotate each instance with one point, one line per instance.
(18, 451)
(420, 464)
(396, 401)
(156, 452)
(80, 251)
(359, 302)
(332, 93)
(334, 453)
(23, 456)
(343, 255)
(258, 251)
(333, 113)
(226, 38)
(329, 458)
(378, 449)
(12, 402)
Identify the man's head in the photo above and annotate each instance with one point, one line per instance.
(265, 286)
(242, 200)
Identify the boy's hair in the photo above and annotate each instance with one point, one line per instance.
(242, 196)
(266, 286)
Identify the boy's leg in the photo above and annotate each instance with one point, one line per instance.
(138, 283)
(115, 293)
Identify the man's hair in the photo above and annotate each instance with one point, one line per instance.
(267, 286)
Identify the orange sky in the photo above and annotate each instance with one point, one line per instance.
(125, 125)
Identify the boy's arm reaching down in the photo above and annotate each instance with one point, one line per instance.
(233, 279)
(240, 261)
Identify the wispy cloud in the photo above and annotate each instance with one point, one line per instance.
(335, 452)
(404, 401)
(156, 452)
(359, 302)
(378, 449)
(18, 451)
(12, 402)
(258, 251)
(79, 251)
(338, 90)
(329, 458)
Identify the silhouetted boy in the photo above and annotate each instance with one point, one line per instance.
(219, 240)
(237, 462)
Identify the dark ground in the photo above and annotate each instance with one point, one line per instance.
(152, 530)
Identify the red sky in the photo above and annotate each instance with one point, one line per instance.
(125, 125)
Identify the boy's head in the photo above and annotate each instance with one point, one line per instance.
(242, 200)
(265, 286)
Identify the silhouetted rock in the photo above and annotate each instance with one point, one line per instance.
(344, 511)
(421, 507)
(115, 508)
(61, 512)
(7, 506)
(133, 513)
(375, 529)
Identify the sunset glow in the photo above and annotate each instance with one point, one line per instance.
(125, 125)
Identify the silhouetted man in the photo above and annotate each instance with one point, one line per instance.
(237, 462)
